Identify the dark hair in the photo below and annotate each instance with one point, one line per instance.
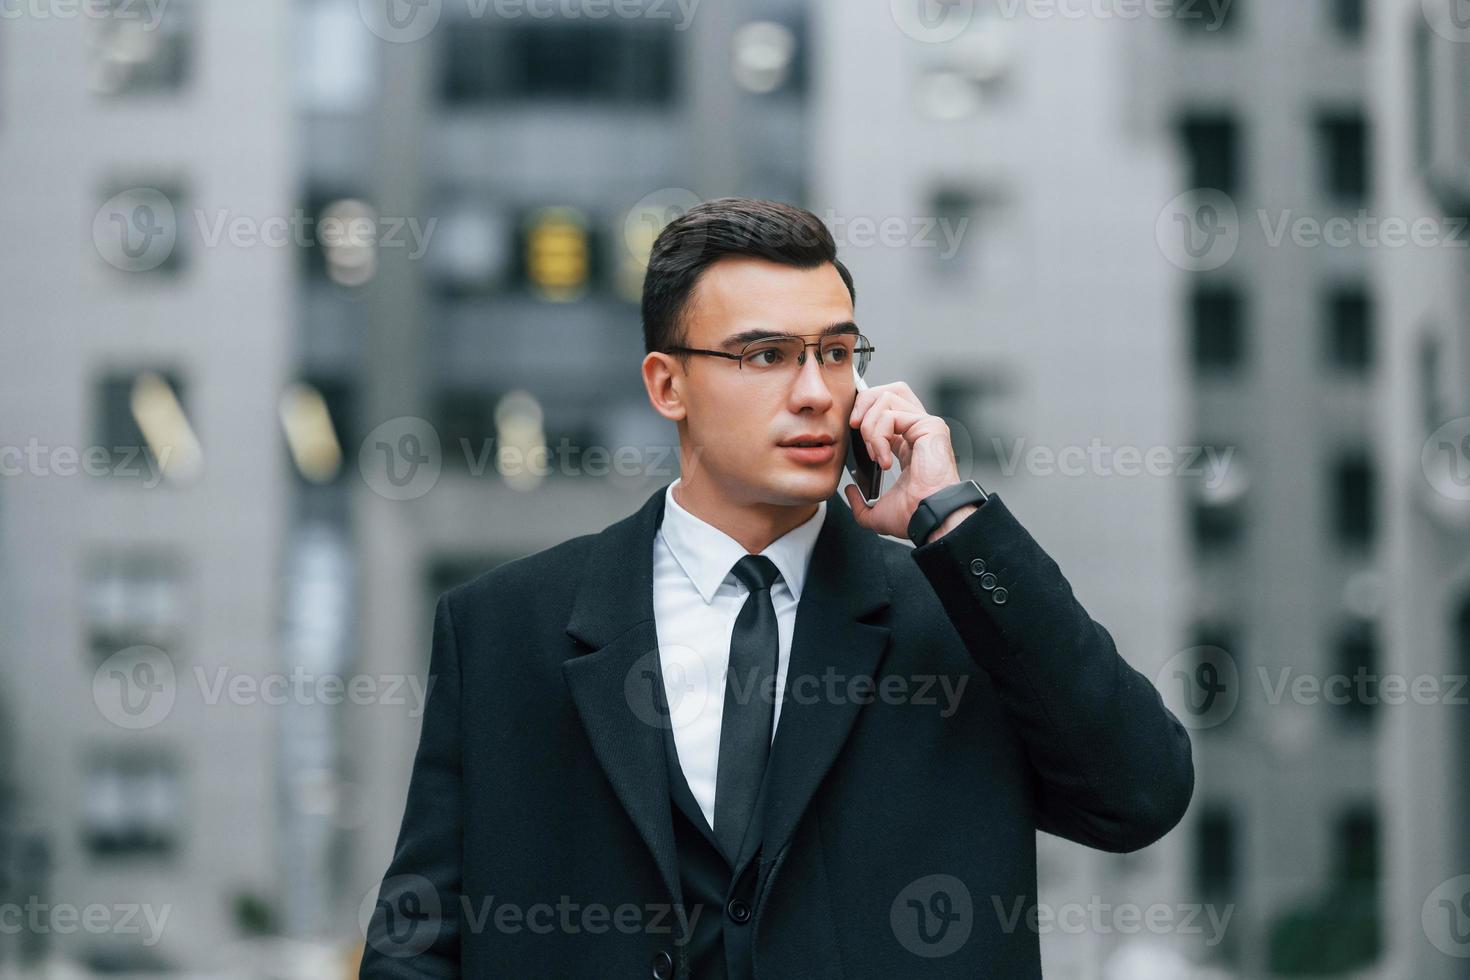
(713, 230)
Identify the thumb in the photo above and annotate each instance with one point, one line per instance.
(855, 501)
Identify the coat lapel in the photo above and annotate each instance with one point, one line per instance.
(845, 584)
(616, 685)
(613, 686)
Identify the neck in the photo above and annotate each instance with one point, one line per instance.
(754, 526)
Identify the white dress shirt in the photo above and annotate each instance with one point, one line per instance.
(696, 598)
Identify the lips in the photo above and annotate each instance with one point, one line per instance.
(811, 440)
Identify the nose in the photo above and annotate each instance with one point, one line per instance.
(811, 386)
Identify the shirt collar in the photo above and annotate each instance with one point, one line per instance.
(708, 554)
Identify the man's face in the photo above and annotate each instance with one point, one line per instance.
(737, 423)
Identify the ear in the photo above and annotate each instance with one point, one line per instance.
(664, 379)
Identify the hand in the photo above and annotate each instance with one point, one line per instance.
(893, 424)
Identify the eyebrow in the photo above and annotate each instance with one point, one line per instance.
(746, 336)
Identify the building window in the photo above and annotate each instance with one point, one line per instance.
(470, 254)
(1356, 656)
(139, 228)
(133, 600)
(1206, 18)
(1348, 18)
(1212, 147)
(1430, 385)
(979, 406)
(142, 428)
(1217, 328)
(1342, 139)
(317, 419)
(560, 255)
(335, 68)
(1353, 500)
(340, 238)
(1356, 843)
(488, 63)
(1340, 930)
(464, 418)
(1423, 93)
(769, 57)
(141, 49)
(1349, 329)
(132, 806)
(955, 210)
(1216, 856)
(1218, 506)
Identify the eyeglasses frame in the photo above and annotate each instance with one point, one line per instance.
(801, 361)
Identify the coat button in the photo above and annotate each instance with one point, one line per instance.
(977, 567)
(987, 581)
(739, 911)
(663, 965)
(1000, 595)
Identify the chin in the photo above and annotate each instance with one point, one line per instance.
(805, 486)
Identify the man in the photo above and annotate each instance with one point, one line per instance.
(607, 783)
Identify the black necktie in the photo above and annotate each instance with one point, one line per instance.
(745, 731)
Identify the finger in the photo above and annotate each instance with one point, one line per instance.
(901, 390)
(897, 393)
(861, 404)
(872, 418)
(895, 427)
(855, 501)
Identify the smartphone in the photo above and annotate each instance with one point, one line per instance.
(863, 469)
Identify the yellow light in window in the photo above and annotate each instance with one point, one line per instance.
(165, 427)
(557, 254)
(310, 434)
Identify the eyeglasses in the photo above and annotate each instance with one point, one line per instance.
(779, 359)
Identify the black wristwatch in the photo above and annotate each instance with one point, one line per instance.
(933, 509)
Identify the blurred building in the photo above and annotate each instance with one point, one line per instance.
(144, 487)
(1268, 106)
(1422, 90)
(485, 378)
(1016, 284)
(315, 309)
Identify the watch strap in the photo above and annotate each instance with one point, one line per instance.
(933, 509)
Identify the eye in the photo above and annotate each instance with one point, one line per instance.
(837, 354)
(759, 358)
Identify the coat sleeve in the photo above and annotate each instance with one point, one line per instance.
(414, 929)
(1114, 764)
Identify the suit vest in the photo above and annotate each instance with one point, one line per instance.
(720, 947)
